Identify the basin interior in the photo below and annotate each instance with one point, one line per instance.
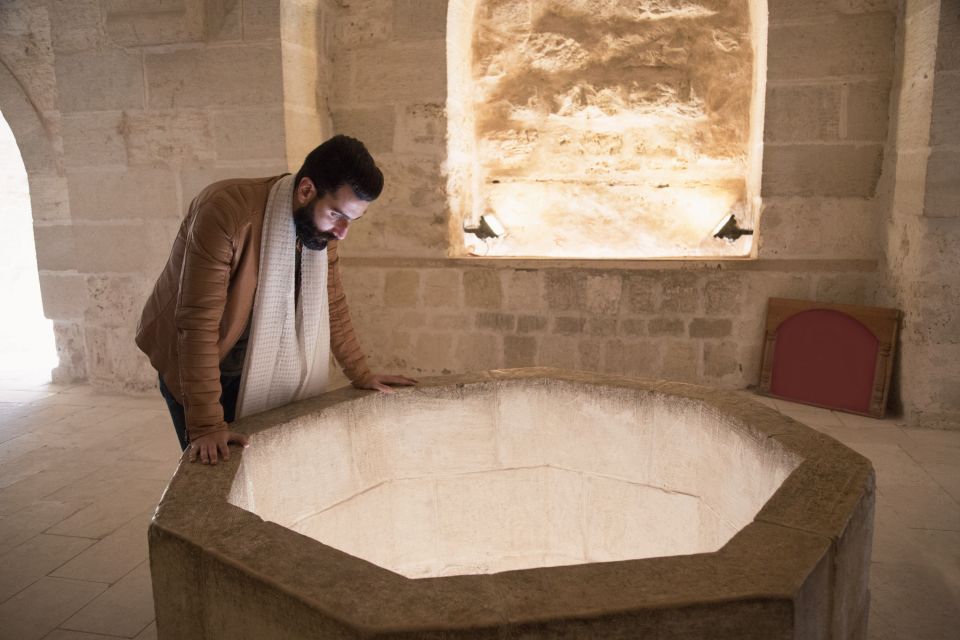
(498, 475)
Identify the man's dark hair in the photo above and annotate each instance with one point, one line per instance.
(342, 160)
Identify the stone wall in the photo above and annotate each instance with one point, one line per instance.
(123, 113)
(830, 69)
(612, 129)
(138, 105)
(923, 196)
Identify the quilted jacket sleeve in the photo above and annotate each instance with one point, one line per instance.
(343, 341)
(202, 296)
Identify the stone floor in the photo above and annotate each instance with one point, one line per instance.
(80, 473)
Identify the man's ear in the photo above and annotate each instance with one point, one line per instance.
(306, 190)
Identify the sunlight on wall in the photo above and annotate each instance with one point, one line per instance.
(26, 336)
(606, 129)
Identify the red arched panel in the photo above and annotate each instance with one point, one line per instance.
(827, 358)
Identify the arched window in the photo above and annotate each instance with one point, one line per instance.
(603, 128)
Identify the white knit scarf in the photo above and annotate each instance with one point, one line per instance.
(289, 349)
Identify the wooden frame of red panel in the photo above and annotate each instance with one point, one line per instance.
(836, 356)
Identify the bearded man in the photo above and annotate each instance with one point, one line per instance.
(250, 305)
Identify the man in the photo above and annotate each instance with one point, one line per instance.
(250, 304)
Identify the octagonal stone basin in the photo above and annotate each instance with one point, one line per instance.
(526, 503)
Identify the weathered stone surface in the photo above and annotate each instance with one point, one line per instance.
(945, 120)
(401, 288)
(64, 295)
(369, 22)
(754, 587)
(632, 327)
(710, 328)
(822, 170)
(680, 292)
(116, 301)
(147, 193)
(641, 293)
(481, 288)
(114, 362)
(406, 73)
(802, 113)
(498, 322)
(566, 290)
(75, 25)
(560, 133)
(719, 359)
(71, 352)
(603, 294)
(55, 247)
(92, 81)
(850, 45)
(300, 78)
(422, 129)
(794, 228)
(942, 185)
(49, 197)
(120, 247)
(246, 75)
(519, 351)
(136, 23)
(523, 290)
(261, 18)
(94, 139)
(441, 288)
(419, 19)
(665, 327)
(568, 325)
(477, 351)
(374, 126)
(256, 134)
(168, 137)
(432, 351)
(867, 107)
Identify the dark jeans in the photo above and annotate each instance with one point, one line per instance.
(228, 400)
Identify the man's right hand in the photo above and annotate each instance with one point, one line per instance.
(213, 446)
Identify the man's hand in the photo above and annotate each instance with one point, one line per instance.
(211, 447)
(382, 382)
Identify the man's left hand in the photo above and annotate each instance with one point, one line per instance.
(383, 382)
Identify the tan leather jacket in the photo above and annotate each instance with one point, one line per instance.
(202, 300)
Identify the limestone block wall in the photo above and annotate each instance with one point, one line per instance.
(830, 70)
(923, 196)
(124, 111)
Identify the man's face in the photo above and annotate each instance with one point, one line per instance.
(328, 217)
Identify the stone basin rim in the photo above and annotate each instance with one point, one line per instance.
(807, 523)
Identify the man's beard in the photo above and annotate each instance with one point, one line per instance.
(307, 232)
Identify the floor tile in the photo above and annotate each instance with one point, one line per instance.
(894, 467)
(926, 445)
(64, 634)
(945, 475)
(112, 557)
(19, 527)
(150, 633)
(911, 602)
(25, 564)
(921, 508)
(38, 487)
(106, 515)
(122, 610)
(41, 607)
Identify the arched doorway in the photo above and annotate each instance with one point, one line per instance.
(27, 351)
